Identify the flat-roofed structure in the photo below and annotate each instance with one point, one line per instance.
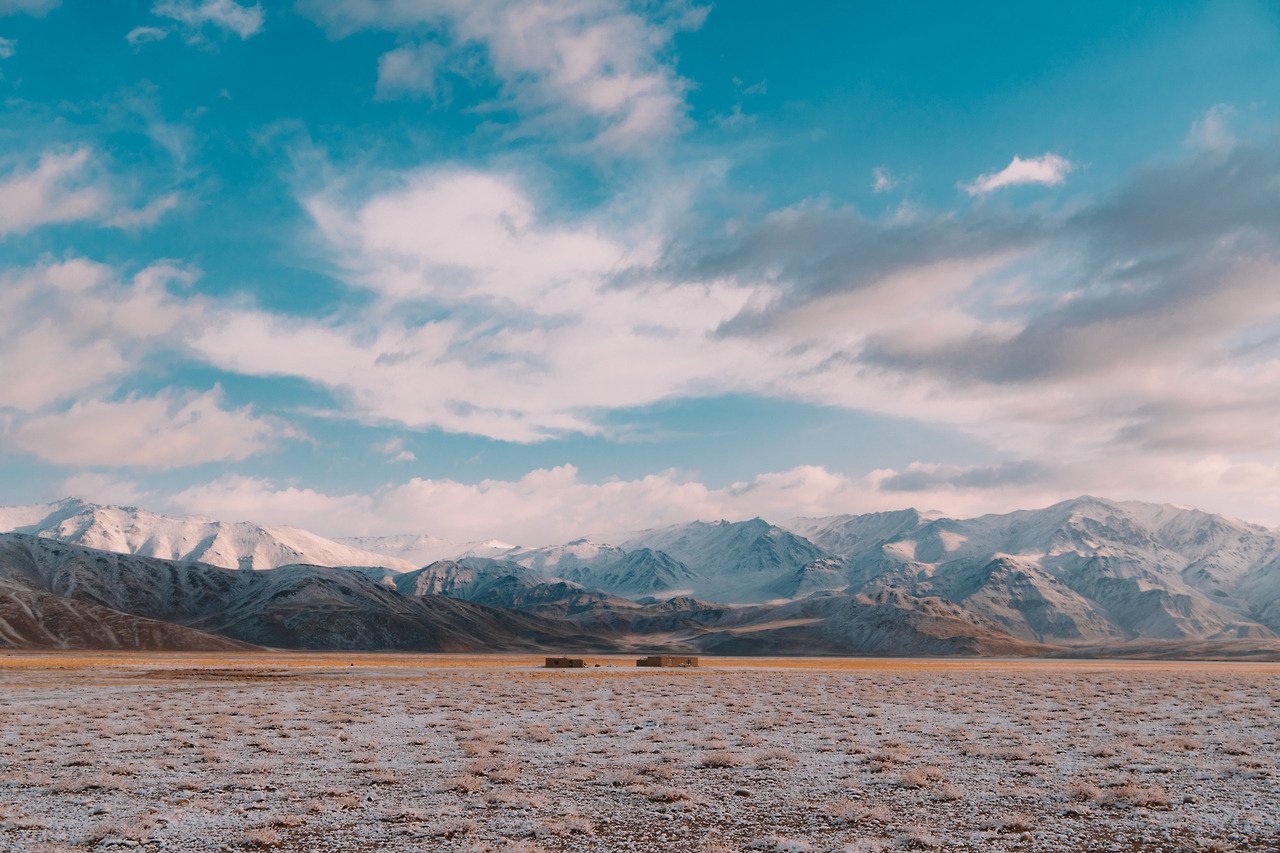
(565, 663)
(668, 660)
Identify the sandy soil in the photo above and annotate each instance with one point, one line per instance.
(410, 752)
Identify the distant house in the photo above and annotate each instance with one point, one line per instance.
(565, 663)
(667, 660)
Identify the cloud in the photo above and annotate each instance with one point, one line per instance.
(393, 449)
(39, 8)
(881, 180)
(555, 505)
(1212, 131)
(527, 335)
(169, 430)
(73, 327)
(244, 21)
(145, 35)
(147, 215)
(411, 69)
(594, 68)
(61, 187)
(1048, 170)
(7, 47)
(101, 488)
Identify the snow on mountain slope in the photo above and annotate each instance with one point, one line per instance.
(1087, 567)
(736, 561)
(846, 534)
(128, 530)
(418, 549)
(572, 557)
(641, 572)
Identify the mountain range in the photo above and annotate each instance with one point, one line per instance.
(1077, 577)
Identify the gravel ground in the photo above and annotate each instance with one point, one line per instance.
(168, 756)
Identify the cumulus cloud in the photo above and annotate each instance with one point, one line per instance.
(597, 68)
(169, 430)
(100, 488)
(74, 327)
(1053, 337)
(1048, 170)
(553, 505)
(229, 15)
(526, 337)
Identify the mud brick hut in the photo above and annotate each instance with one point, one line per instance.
(667, 660)
(565, 663)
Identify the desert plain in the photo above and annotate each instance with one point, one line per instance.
(329, 751)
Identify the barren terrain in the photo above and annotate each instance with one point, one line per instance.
(339, 751)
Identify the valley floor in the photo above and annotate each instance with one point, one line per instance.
(411, 752)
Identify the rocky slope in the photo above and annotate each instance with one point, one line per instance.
(312, 607)
(31, 618)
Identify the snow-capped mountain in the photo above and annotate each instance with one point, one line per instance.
(568, 559)
(1084, 569)
(421, 549)
(739, 561)
(98, 599)
(1085, 573)
(638, 572)
(239, 545)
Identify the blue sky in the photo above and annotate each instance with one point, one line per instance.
(534, 269)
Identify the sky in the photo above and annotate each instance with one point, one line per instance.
(534, 269)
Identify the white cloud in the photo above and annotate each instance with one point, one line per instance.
(244, 21)
(561, 63)
(101, 488)
(1212, 131)
(555, 505)
(533, 336)
(60, 188)
(411, 68)
(393, 449)
(30, 7)
(1048, 170)
(169, 430)
(145, 35)
(881, 180)
(7, 47)
(147, 215)
(73, 327)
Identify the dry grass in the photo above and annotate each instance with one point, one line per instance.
(463, 753)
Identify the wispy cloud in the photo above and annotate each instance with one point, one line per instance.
(595, 68)
(30, 7)
(244, 21)
(61, 187)
(145, 35)
(1048, 170)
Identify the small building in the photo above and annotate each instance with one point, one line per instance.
(667, 660)
(565, 663)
